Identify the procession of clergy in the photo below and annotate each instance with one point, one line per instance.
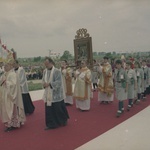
(129, 81)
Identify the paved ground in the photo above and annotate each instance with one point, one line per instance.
(132, 134)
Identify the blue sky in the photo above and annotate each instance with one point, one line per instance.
(33, 27)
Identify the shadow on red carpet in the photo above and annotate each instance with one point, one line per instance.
(82, 127)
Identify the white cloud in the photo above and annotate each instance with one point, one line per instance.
(32, 27)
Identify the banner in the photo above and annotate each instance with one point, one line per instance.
(4, 52)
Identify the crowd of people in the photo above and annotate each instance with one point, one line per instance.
(128, 80)
(124, 79)
(34, 75)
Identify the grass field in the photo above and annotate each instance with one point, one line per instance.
(37, 84)
(34, 85)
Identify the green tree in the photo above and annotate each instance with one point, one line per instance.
(94, 53)
(108, 54)
(37, 59)
(66, 56)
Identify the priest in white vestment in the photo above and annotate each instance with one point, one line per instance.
(82, 89)
(105, 85)
(56, 114)
(27, 102)
(11, 105)
(67, 79)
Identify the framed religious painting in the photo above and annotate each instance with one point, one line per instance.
(83, 47)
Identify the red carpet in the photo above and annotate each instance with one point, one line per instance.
(81, 128)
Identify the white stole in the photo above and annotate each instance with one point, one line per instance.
(48, 93)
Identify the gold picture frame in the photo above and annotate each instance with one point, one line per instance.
(83, 47)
